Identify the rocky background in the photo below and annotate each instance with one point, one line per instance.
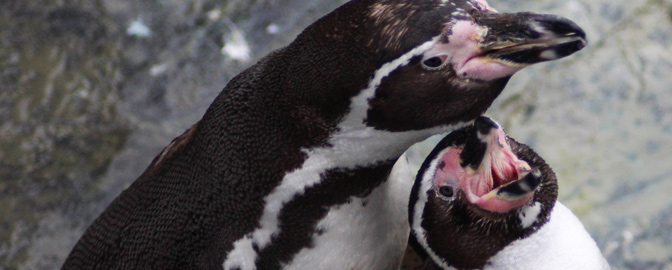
(91, 91)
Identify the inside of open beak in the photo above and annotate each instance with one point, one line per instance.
(489, 174)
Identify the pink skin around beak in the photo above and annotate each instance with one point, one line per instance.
(466, 56)
(487, 45)
(498, 168)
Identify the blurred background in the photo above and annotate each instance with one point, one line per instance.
(91, 91)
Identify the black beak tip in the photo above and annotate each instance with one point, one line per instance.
(528, 184)
(533, 179)
(560, 26)
(569, 37)
(570, 48)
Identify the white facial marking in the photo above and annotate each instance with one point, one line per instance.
(528, 214)
(418, 209)
(355, 144)
(359, 104)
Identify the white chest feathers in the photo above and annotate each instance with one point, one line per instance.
(366, 233)
(563, 243)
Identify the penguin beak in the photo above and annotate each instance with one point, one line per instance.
(519, 190)
(496, 180)
(528, 38)
(491, 45)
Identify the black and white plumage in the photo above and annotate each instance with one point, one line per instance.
(288, 156)
(481, 200)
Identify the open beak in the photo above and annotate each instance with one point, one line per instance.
(492, 45)
(496, 179)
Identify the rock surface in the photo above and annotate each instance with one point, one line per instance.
(91, 91)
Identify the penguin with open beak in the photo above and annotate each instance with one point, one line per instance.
(289, 166)
(481, 200)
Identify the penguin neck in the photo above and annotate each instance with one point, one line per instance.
(362, 145)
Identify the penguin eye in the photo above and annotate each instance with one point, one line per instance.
(446, 191)
(434, 62)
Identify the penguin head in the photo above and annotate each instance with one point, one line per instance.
(473, 51)
(477, 192)
(419, 64)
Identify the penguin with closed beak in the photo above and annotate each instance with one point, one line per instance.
(481, 200)
(289, 166)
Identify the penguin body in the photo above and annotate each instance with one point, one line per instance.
(484, 201)
(562, 243)
(382, 229)
(270, 174)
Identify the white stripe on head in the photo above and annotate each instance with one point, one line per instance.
(355, 144)
(359, 104)
(419, 207)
